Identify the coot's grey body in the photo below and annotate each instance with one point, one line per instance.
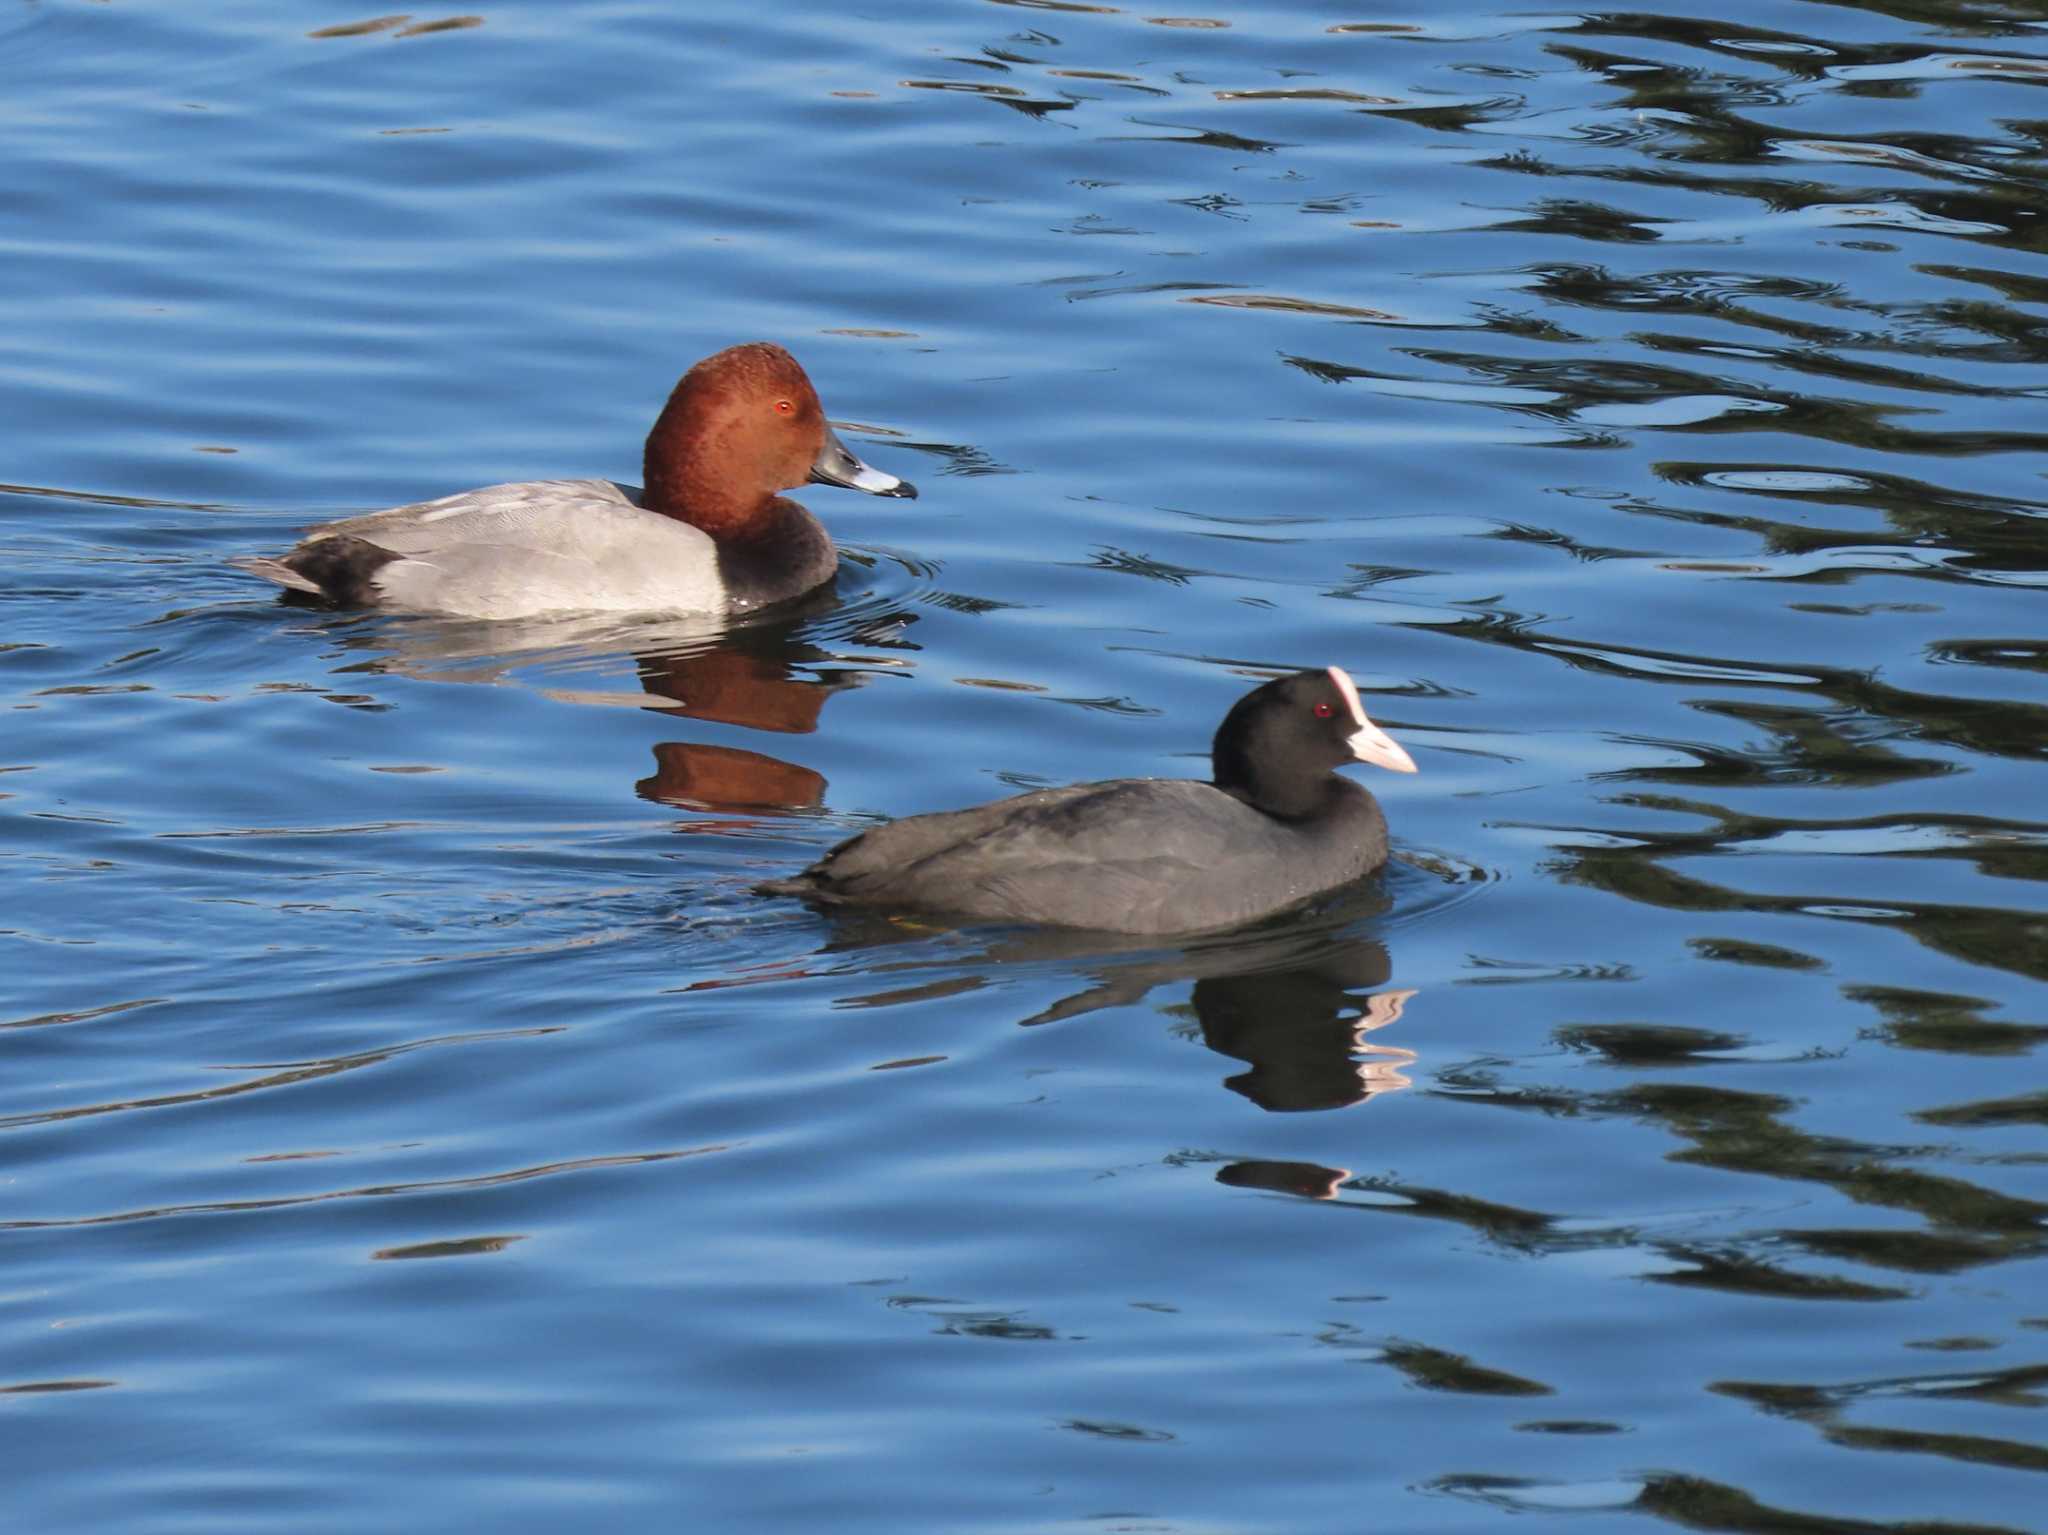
(1130, 855)
(1148, 855)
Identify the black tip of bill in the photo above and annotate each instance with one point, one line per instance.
(836, 465)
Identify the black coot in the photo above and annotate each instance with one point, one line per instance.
(1148, 855)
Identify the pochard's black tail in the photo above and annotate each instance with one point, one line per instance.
(340, 569)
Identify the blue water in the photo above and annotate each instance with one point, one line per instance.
(411, 1118)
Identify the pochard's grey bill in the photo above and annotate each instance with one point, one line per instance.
(836, 465)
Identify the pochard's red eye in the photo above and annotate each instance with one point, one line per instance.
(783, 407)
(1324, 711)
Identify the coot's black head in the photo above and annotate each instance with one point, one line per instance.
(1277, 745)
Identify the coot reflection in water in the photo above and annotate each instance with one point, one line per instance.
(1294, 997)
(1298, 998)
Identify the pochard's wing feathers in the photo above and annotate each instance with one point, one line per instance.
(518, 515)
(548, 545)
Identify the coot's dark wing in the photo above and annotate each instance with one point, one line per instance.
(1129, 855)
(892, 851)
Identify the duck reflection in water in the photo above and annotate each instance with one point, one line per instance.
(771, 675)
(733, 687)
(756, 679)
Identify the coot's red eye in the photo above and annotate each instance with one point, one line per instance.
(783, 407)
(1324, 711)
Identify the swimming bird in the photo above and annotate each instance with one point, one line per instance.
(1273, 827)
(708, 534)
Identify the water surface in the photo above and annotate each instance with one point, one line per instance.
(411, 1117)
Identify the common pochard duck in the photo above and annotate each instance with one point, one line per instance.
(709, 533)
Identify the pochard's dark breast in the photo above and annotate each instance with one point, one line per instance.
(791, 555)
